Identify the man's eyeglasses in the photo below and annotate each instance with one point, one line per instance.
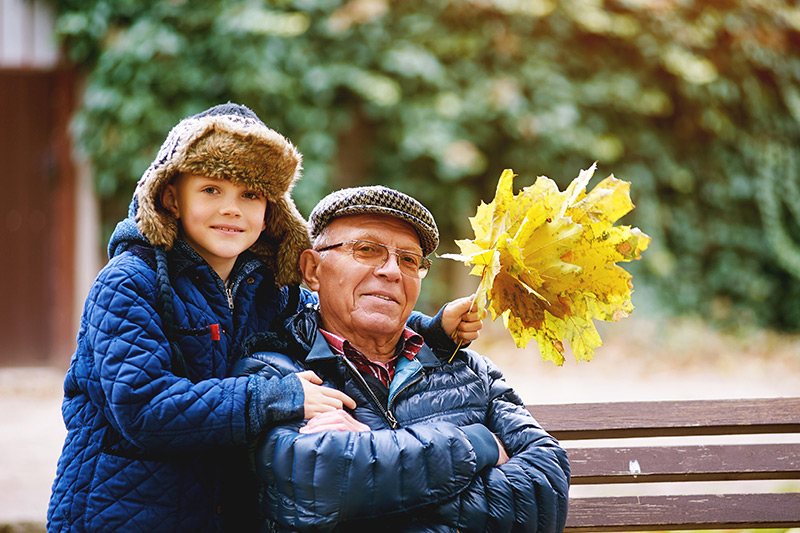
(375, 254)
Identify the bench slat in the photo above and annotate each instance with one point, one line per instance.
(655, 513)
(669, 418)
(649, 464)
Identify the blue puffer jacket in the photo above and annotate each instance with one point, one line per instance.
(146, 449)
(430, 474)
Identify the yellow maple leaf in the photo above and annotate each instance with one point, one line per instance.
(547, 260)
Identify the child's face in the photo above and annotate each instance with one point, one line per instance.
(220, 220)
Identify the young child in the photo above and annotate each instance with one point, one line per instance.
(202, 265)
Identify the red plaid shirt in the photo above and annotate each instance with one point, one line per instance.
(410, 343)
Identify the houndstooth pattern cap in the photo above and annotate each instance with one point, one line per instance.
(380, 200)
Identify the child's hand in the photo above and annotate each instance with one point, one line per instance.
(462, 320)
(333, 421)
(319, 399)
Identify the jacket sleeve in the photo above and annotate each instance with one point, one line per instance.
(318, 480)
(432, 331)
(128, 361)
(527, 493)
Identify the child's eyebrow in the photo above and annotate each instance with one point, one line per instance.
(208, 179)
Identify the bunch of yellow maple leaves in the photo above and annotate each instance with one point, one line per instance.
(547, 260)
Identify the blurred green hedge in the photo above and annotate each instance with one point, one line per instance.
(696, 102)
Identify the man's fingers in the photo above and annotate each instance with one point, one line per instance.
(470, 326)
(480, 314)
(471, 323)
(337, 416)
(474, 316)
(464, 303)
(502, 456)
(320, 428)
(468, 336)
(335, 420)
(328, 426)
(461, 305)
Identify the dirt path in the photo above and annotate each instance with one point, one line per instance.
(30, 443)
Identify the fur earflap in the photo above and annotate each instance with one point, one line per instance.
(230, 142)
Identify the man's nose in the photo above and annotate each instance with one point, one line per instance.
(391, 267)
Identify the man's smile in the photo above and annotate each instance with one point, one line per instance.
(381, 296)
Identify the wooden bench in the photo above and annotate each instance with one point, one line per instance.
(654, 461)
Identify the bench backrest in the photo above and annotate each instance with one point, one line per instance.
(697, 461)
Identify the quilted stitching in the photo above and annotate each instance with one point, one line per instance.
(121, 398)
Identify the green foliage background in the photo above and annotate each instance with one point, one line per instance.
(696, 102)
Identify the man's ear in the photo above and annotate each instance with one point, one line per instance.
(309, 267)
(169, 199)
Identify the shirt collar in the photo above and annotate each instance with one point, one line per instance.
(409, 345)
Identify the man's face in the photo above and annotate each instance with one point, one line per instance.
(362, 301)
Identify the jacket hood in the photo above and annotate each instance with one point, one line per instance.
(229, 141)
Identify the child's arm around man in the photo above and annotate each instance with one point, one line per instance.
(201, 266)
(149, 409)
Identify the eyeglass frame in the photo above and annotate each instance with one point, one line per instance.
(424, 263)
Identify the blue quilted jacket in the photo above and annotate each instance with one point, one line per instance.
(156, 431)
(432, 472)
(147, 450)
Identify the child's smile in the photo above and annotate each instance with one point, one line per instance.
(219, 219)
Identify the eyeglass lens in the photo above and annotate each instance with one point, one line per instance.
(376, 254)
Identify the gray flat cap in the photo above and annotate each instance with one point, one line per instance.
(376, 200)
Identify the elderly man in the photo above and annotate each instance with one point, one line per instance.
(428, 446)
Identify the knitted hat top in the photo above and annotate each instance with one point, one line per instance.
(229, 141)
(376, 200)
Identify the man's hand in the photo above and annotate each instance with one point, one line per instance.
(462, 320)
(337, 420)
(503, 457)
(318, 399)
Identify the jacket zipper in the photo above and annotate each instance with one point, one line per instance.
(229, 294)
(393, 423)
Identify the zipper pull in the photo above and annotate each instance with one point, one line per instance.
(229, 294)
(392, 420)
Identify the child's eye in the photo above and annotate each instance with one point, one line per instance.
(209, 190)
(250, 195)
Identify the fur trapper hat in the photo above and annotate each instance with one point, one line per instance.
(229, 141)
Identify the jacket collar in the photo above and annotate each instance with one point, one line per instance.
(183, 257)
(320, 351)
(427, 357)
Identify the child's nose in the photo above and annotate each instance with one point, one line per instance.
(231, 206)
